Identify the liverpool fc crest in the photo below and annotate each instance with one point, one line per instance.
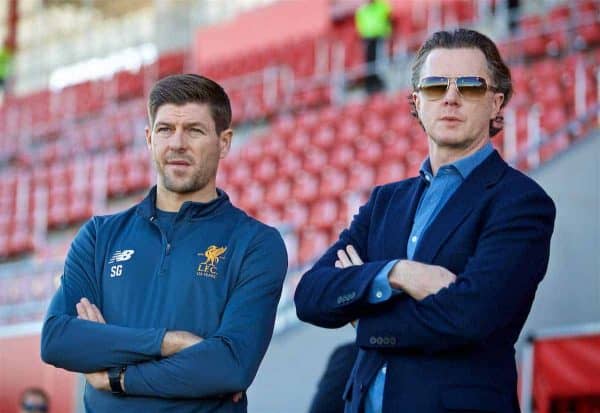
(213, 255)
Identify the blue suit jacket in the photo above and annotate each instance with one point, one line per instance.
(453, 350)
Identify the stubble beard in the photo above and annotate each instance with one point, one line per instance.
(198, 181)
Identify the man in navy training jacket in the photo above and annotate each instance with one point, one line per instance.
(440, 270)
(170, 305)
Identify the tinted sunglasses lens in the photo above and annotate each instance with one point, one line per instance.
(30, 407)
(471, 87)
(434, 87)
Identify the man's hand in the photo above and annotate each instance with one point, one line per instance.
(99, 380)
(419, 280)
(348, 258)
(89, 311)
(175, 341)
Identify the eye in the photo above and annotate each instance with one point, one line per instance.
(162, 129)
(197, 131)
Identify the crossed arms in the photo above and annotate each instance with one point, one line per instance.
(160, 363)
(438, 310)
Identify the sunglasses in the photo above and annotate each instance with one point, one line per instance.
(469, 87)
(32, 407)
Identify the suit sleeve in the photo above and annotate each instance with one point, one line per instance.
(81, 345)
(332, 297)
(496, 288)
(227, 361)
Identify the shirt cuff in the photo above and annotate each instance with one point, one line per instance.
(380, 289)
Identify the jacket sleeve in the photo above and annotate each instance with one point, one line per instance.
(81, 345)
(227, 361)
(332, 297)
(495, 290)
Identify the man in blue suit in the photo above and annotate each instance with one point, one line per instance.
(440, 271)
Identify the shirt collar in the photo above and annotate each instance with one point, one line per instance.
(190, 209)
(464, 166)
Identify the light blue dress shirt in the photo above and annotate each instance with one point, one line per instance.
(438, 191)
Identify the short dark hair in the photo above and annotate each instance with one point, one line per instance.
(191, 88)
(470, 39)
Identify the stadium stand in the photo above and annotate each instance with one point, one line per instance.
(104, 119)
(314, 148)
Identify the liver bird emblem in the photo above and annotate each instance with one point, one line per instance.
(213, 254)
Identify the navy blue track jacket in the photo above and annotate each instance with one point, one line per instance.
(217, 274)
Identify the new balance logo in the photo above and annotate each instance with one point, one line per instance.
(119, 256)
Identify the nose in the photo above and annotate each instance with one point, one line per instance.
(452, 94)
(178, 141)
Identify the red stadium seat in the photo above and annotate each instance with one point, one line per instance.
(342, 156)
(278, 192)
(333, 182)
(265, 170)
(324, 213)
(299, 141)
(171, 63)
(368, 152)
(390, 172)
(324, 137)
(306, 187)
(252, 196)
(290, 164)
(295, 213)
(360, 176)
(315, 159)
(312, 244)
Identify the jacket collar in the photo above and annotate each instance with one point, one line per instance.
(460, 204)
(189, 209)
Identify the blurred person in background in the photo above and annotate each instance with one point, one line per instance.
(438, 272)
(5, 63)
(374, 26)
(34, 400)
(170, 305)
(328, 398)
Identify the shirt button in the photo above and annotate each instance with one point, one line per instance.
(414, 238)
(378, 294)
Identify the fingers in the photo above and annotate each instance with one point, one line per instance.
(348, 258)
(237, 397)
(343, 258)
(88, 311)
(82, 310)
(99, 317)
(354, 257)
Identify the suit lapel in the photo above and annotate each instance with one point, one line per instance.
(459, 206)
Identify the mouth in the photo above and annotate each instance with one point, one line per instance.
(450, 119)
(178, 162)
(178, 166)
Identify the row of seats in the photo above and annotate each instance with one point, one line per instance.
(41, 113)
(315, 157)
(564, 26)
(546, 81)
(377, 138)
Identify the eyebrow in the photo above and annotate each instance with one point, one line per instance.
(185, 125)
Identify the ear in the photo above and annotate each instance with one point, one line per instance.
(497, 104)
(225, 142)
(417, 100)
(148, 137)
